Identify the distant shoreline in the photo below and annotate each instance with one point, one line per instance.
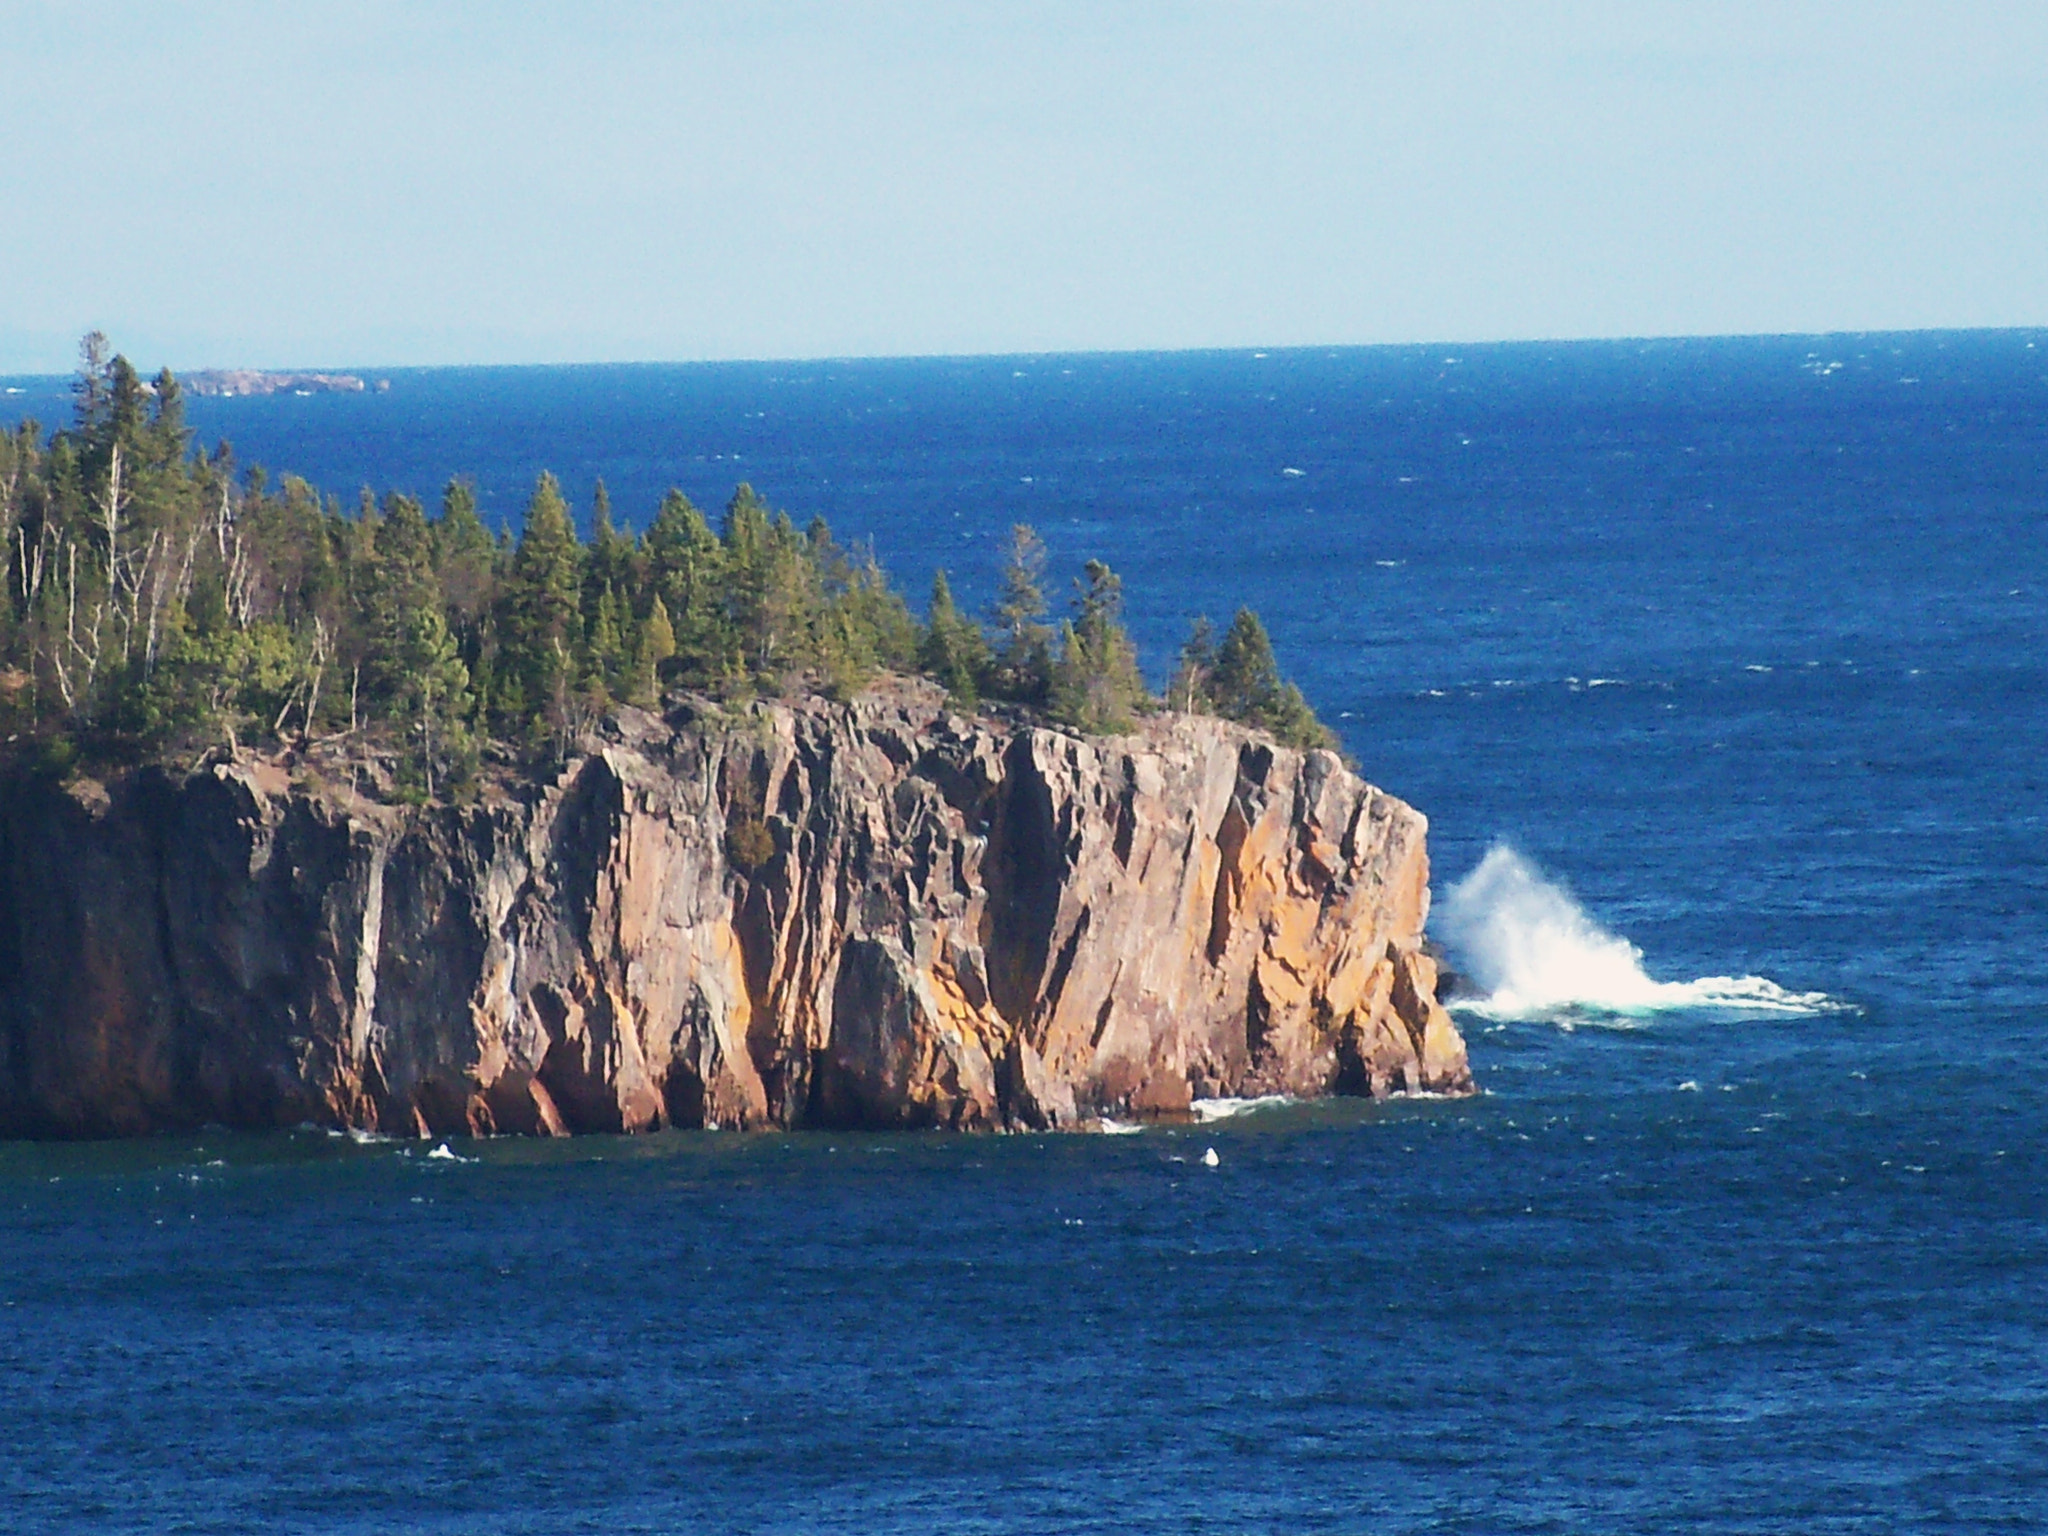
(230, 382)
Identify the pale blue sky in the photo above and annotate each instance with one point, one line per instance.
(393, 183)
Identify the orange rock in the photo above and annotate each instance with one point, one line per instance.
(963, 923)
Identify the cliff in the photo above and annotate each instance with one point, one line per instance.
(876, 914)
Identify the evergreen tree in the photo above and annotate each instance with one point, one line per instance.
(752, 568)
(657, 643)
(169, 440)
(1023, 663)
(1096, 685)
(606, 661)
(431, 706)
(852, 621)
(539, 611)
(610, 559)
(465, 560)
(156, 597)
(1246, 679)
(91, 399)
(1247, 686)
(954, 651)
(685, 563)
(404, 545)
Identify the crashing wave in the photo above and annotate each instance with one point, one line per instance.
(1531, 952)
(1206, 1110)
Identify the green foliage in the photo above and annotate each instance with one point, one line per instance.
(1022, 669)
(540, 617)
(430, 708)
(1240, 680)
(954, 651)
(156, 601)
(684, 565)
(610, 562)
(1096, 685)
(748, 842)
(1190, 690)
(465, 560)
(657, 645)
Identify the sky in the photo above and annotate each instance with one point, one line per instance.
(310, 184)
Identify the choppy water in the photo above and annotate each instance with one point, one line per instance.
(1742, 656)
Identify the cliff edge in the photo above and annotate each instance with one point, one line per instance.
(876, 914)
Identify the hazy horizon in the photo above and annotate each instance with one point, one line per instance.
(149, 365)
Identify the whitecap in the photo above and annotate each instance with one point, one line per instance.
(1535, 953)
(1118, 1127)
(1292, 473)
(1207, 1110)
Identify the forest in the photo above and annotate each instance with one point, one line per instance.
(161, 599)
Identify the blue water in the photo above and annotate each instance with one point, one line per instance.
(1742, 649)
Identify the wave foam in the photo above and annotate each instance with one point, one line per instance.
(1206, 1110)
(1535, 953)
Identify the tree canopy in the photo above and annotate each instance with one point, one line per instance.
(159, 596)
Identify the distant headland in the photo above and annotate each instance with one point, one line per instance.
(258, 381)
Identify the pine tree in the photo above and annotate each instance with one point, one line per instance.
(90, 397)
(610, 560)
(954, 651)
(1247, 686)
(606, 663)
(1246, 682)
(153, 593)
(657, 645)
(464, 560)
(684, 568)
(169, 441)
(1096, 685)
(1023, 665)
(432, 706)
(404, 543)
(539, 609)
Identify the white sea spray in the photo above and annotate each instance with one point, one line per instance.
(1529, 950)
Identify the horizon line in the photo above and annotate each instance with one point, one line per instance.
(1247, 349)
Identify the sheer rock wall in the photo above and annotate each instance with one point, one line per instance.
(876, 914)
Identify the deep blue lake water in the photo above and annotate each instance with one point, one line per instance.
(1741, 644)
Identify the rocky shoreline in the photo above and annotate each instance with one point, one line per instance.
(877, 914)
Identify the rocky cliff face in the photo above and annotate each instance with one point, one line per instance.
(876, 914)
